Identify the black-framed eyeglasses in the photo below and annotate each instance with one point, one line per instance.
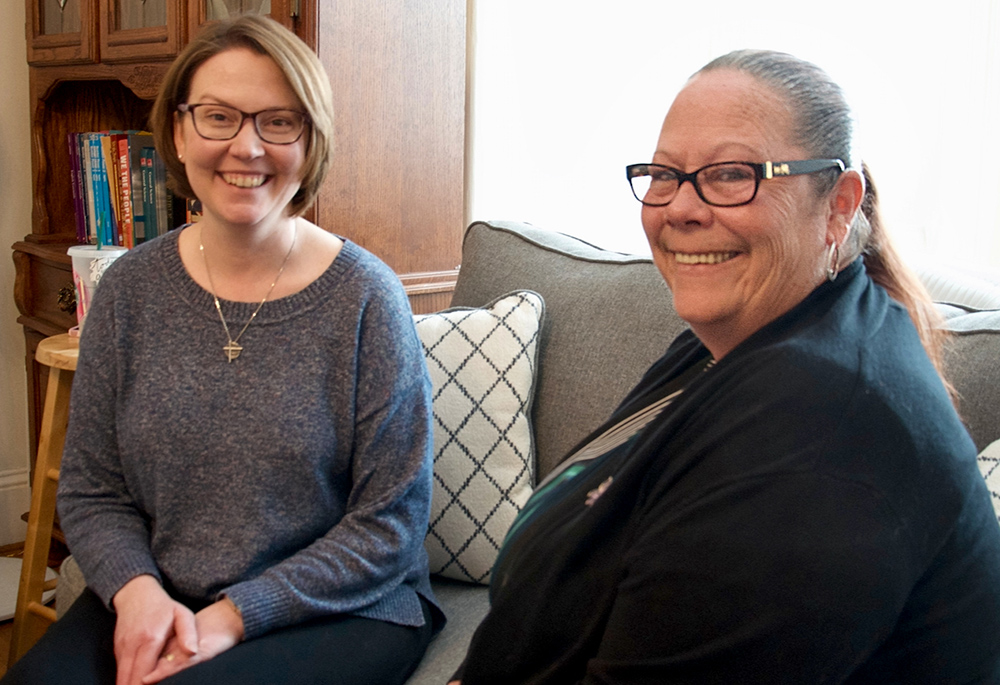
(726, 184)
(221, 122)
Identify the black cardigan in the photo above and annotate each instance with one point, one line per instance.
(809, 510)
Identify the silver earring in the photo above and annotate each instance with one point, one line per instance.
(833, 262)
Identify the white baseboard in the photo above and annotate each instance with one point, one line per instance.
(15, 498)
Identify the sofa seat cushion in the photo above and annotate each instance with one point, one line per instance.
(482, 365)
(465, 605)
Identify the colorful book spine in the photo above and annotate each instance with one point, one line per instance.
(100, 211)
(148, 194)
(109, 155)
(72, 140)
(136, 142)
(86, 180)
(102, 194)
(163, 198)
(125, 225)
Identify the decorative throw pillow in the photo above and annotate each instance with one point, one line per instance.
(989, 466)
(482, 365)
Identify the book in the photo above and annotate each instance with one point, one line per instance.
(86, 180)
(148, 193)
(106, 183)
(76, 172)
(100, 213)
(107, 226)
(125, 223)
(121, 196)
(137, 141)
(162, 198)
(109, 150)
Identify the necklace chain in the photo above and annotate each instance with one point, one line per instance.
(233, 347)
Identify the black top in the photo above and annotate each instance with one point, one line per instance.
(808, 510)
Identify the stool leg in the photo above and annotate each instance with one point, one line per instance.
(31, 618)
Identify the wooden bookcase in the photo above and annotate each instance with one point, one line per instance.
(397, 186)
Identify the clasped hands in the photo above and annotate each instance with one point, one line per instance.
(156, 637)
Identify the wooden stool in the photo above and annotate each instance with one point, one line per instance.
(31, 617)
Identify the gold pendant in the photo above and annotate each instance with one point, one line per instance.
(232, 350)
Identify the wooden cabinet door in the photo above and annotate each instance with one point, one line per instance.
(396, 185)
(139, 30)
(203, 11)
(61, 32)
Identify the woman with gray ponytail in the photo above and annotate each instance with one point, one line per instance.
(788, 495)
(824, 125)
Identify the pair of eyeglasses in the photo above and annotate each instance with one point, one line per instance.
(221, 122)
(726, 184)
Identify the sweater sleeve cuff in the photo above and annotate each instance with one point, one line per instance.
(114, 572)
(261, 606)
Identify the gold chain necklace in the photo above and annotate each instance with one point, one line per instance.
(233, 347)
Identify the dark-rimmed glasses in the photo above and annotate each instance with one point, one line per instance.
(221, 122)
(726, 184)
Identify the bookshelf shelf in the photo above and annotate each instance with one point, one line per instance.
(397, 187)
(69, 103)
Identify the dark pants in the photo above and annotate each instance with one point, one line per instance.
(78, 649)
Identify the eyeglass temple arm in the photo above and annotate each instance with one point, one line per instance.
(805, 166)
(633, 170)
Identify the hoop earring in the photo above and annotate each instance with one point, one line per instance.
(833, 262)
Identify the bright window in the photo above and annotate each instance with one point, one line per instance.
(565, 94)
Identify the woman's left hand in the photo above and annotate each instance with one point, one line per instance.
(219, 628)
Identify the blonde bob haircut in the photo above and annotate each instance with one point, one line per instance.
(299, 64)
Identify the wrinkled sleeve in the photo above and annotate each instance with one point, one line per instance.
(106, 531)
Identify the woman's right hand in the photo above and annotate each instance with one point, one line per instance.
(147, 619)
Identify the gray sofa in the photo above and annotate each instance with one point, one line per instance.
(608, 316)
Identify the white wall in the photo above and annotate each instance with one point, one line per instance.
(15, 223)
(564, 95)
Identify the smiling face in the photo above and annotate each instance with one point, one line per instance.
(732, 270)
(243, 181)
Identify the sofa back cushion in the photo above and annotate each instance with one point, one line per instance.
(608, 317)
(970, 303)
(972, 362)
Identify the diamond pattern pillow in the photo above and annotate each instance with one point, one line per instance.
(482, 365)
(989, 466)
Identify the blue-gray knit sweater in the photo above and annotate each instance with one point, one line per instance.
(296, 479)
